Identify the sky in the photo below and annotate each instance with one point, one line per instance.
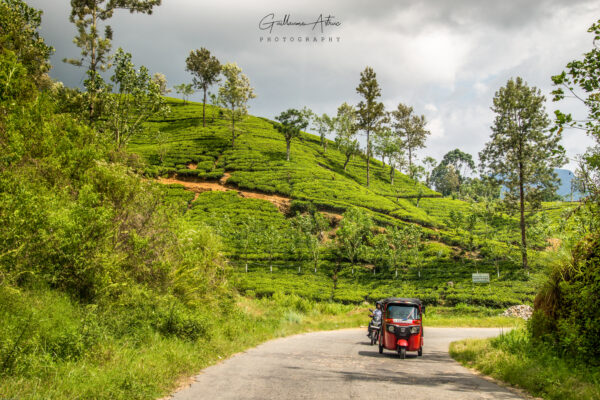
(445, 58)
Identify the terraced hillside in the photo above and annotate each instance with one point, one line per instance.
(249, 194)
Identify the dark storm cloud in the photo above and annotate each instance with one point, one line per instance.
(447, 58)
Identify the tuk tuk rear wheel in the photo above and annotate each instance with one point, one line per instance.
(420, 352)
(380, 348)
(402, 352)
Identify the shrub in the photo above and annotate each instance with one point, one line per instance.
(568, 307)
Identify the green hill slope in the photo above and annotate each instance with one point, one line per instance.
(259, 235)
(258, 163)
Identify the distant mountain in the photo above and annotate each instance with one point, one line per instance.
(564, 189)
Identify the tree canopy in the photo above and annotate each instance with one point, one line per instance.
(522, 153)
(291, 123)
(234, 94)
(370, 112)
(206, 69)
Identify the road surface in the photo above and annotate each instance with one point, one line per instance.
(342, 365)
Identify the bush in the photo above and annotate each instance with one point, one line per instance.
(568, 307)
(187, 324)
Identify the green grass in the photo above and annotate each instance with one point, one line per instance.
(515, 359)
(142, 348)
(61, 349)
(463, 315)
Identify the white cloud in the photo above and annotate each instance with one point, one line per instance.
(436, 127)
(445, 58)
(431, 107)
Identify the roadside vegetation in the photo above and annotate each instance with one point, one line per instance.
(557, 355)
(529, 365)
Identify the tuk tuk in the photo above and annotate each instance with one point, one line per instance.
(402, 327)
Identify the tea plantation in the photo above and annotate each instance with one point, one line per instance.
(260, 238)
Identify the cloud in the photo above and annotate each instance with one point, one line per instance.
(449, 55)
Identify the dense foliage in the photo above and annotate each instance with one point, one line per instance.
(81, 229)
(568, 306)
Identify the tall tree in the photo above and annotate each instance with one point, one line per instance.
(95, 48)
(353, 233)
(454, 163)
(311, 228)
(206, 70)
(345, 128)
(429, 163)
(522, 153)
(411, 128)
(323, 124)
(388, 144)
(398, 240)
(137, 98)
(370, 111)
(383, 144)
(161, 80)
(291, 123)
(445, 179)
(234, 95)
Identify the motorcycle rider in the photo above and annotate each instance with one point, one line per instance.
(376, 317)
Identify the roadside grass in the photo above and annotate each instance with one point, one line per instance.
(54, 347)
(515, 359)
(61, 349)
(466, 316)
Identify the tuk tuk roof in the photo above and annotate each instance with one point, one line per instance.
(401, 300)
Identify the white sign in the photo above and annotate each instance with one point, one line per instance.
(481, 278)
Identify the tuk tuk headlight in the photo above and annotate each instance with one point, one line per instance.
(390, 328)
(415, 329)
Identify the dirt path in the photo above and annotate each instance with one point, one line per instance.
(342, 365)
(282, 203)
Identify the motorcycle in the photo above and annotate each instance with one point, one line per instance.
(374, 327)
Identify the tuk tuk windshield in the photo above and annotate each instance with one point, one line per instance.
(403, 311)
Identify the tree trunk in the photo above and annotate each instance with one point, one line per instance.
(232, 130)
(203, 109)
(368, 154)
(410, 162)
(347, 160)
(288, 144)
(392, 174)
(93, 65)
(522, 212)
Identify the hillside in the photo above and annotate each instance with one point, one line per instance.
(249, 194)
(179, 145)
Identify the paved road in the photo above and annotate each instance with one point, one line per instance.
(342, 365)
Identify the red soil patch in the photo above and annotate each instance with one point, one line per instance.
(224, 178)
(282, 203)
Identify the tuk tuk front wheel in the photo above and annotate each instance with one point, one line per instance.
(402, 352)
(420, 352)
(380, 348)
